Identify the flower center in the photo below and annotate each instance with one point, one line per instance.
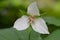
(31, 19)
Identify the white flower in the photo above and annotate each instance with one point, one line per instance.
(38, 24)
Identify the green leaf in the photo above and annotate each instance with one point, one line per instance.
(8, 34)
(54, 35)
(23, 35)
(52, 20)
(35, 36)
(12, 34)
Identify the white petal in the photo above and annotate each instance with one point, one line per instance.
(33, 9)
(21, 23)
(40, 26)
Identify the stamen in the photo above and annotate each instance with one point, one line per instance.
(31, 19)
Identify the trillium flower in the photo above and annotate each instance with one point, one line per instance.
(38, 24)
